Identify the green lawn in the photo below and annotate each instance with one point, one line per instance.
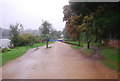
(17, 52)
(12, 54)
(41, 44)
(83, 43)
(77, 42)
(110, 57)
(86, 52)
(73, 42)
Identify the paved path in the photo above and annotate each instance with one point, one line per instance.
(58, 62)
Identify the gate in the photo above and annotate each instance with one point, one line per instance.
(55, 40)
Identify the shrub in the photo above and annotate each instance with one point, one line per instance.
(37, 39)
(26, 39)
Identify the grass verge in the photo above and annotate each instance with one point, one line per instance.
(72, 42)
(17, 52)
(82, 43)
(86, 52)
(77, 42)
(12, 54)
(110, 57)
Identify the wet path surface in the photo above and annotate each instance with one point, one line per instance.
(58, 62)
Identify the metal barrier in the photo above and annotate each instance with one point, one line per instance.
(55, 40)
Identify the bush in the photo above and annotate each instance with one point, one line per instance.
(27, 39)
(37, 39)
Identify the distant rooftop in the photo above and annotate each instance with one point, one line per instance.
(70, 1)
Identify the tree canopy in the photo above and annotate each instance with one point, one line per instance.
(101, 20)
(47, 30)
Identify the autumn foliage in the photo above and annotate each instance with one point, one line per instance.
(100, 20)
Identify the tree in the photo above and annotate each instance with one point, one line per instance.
(72, 26)
(14, 34)
(47, 39)
(55, 34)
(98, 19)
(105, 18)
(59, 33)
(66, 33)
(21, 29)
(45, 28)
(67, 11)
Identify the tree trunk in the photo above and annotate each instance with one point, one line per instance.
(88, 44)
(46, 43)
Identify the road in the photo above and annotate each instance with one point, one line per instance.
(58, 62)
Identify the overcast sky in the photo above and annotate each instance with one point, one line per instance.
(31, 12)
